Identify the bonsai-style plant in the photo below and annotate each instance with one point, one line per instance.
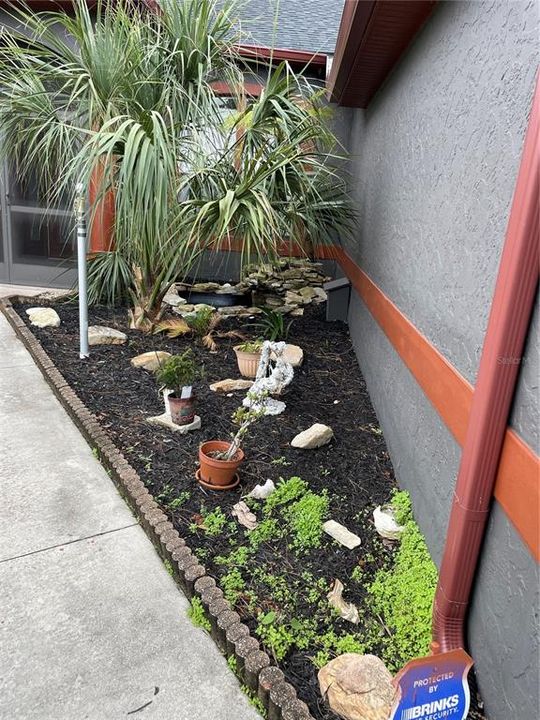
(177, 376)
(219, 460)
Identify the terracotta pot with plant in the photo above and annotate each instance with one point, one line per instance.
(177, 376)
(219, 460)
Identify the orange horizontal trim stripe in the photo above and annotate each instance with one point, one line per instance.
(221, 87)
(517, 487)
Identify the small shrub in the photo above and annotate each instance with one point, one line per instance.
(285, 492)
(403, 596)
(232, 585)
(197, 616)
(401, 502)
(306, 517)
(276, 637)
(214, 522)
(272, 325)
(178, 371)
(200, 322)
(266, 530)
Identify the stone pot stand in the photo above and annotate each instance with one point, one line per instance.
(230, 634)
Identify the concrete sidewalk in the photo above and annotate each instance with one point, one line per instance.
(91, 625)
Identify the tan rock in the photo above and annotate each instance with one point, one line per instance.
(314, 437)
(357, 687)
(43, 317)
(174, 300)
(307, 293)
(293, 354)
(226, 386)
(102, 335)
(205, 287)
(341, 535)
(150, 361)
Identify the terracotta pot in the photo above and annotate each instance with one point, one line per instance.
(182, 409)
(248, 362)
(218, 472)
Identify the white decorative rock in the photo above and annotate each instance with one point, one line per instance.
(315, 436)
(261, 492)
(320, 295)
(226, 386)
(357, 687)
(341, 534)
(43, 317)
(102, 335)
(150, 361)
(385, 523)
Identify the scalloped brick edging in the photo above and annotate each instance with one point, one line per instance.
(230, 634)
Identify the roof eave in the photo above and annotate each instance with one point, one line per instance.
(373, 35)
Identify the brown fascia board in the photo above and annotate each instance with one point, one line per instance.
(373, 35)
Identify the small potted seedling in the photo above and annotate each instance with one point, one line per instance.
(271, 327)
(219, 460)
(177, 376)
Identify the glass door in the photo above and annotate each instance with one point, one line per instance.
(40, 240)
(4, 276)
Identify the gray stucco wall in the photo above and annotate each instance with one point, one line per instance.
(433, 165)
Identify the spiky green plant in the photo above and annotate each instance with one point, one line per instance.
(129, 93)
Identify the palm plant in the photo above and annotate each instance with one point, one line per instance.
(130, 92)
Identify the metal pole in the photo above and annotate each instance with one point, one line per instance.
(80, 204)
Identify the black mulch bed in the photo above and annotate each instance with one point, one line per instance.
(329, 388)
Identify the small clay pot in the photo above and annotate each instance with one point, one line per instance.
(220, 473)
(182, 409)
(248, 362)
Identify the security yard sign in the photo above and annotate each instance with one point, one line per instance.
(434, 688)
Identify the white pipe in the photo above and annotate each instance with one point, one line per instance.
(81, 267)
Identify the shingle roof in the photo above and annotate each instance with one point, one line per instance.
(301, 24)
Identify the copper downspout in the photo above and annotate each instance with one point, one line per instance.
(506, 333)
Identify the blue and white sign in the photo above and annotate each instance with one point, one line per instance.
(434, 688)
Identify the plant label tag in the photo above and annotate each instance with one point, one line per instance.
(433, 688)
(186, 392)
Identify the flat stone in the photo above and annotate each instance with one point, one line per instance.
(315, 436)
(174, 300)
(150, 361)
(357, 687)
(165, 421)
(292, 298)
(102, 335)
(298, 312)
(203, 306)
(307, 292)
(184, 310)
(232, 310)
(341, 534)
(43, 317)
(205, 287)
(226, 386)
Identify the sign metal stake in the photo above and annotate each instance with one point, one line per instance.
(80, 205)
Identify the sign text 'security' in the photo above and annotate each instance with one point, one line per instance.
(434, 688)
